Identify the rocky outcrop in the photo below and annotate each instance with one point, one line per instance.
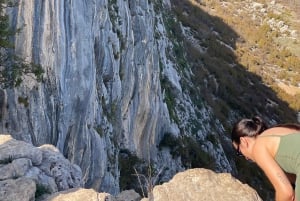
(79, 194)
(17, 189)
(191, 185)
(203, 185)
(101, 87)
(26, 171)
(42, 173)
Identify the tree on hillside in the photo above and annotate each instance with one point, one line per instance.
(12, 67)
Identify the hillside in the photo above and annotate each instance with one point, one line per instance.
(269, 41)
(240, 66)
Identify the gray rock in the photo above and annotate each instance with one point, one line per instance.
(17, 189)
(42, 179)
(11, 149)
(17, 168)
(51, 172)
(55, 165)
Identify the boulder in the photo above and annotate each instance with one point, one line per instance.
(128, 195)
(12, 149)
(55, 165)
(202, 185)
(80, 194)
(43, 167)
(17, 168)
(17, 189)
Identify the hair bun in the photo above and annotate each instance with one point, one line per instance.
(257, 120)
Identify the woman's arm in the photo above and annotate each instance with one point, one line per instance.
(278, 178)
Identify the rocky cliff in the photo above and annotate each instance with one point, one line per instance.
(101, 91)
(119, 89)
(101, 88)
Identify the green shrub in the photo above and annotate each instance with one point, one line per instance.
(24, 101)
(189, 150)
(13, 67)
(128, 163)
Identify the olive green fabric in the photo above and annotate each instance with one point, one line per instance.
(288, 153)
(288, 156)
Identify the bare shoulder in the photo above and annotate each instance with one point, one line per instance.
(266, 145)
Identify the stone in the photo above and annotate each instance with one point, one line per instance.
(128, 195)
(55, 165)
(17, 168)
(11, 149)
(17, 189)
(42, 179)
(202, 185)
(45, 166)
(80, 194)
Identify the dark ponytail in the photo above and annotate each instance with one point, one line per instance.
(248, 127)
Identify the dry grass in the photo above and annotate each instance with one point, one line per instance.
(262, 50)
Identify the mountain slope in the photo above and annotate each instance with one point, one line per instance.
(231, 69)
(147, 86)
(269, 42)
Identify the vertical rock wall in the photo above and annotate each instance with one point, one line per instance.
(101, 87)
(101, 92)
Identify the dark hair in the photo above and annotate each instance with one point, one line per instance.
(247, 127)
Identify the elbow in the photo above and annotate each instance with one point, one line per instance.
(290, 194)
(286, 194)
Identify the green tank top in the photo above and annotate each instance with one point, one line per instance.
(288, 153)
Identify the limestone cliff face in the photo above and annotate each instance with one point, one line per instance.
(101, 92)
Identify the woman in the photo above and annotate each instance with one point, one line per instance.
(275, 150)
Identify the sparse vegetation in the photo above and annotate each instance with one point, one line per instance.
(237, 62)
(24, 101)
(260, 53)
(137, 174)
(12, 67)
(129, 164)
(189, 150)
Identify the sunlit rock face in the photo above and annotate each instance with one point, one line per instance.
(101, 92)
(101, 86)
(201, 185)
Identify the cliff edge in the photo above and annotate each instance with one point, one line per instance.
(42, 173)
